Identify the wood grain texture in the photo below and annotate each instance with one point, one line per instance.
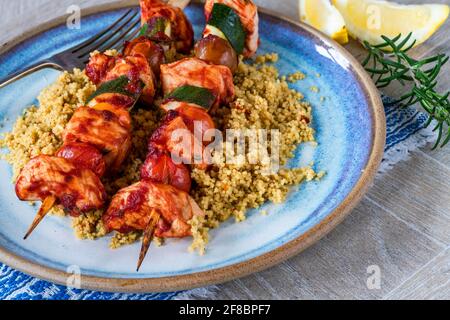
(336, 267)
(415, 193)
(430, 282)
(402, 226)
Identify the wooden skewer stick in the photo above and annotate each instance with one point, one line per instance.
(148, 237)
(46, 205)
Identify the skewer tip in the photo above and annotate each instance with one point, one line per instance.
(148, 237)
(46, 205)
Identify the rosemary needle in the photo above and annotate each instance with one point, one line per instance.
(389, 61)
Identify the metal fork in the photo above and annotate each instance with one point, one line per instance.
(111, 37)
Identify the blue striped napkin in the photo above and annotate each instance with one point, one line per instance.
(405, 132)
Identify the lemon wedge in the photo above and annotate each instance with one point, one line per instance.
(321, 15)
(368, 20)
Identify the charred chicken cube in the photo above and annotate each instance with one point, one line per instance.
(131, 207)
(139, 73)
(99, 66)
(141, 79)
(107, 131)
(153, 52)
(195, 72)
(77, 189)
(84, 156)
(159, 167)
(179, 29)
(196, 118)
(183, 145)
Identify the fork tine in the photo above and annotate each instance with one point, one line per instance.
(100, 34)
(108, 36)
(95, 45)
(118, 44)
(121, 36)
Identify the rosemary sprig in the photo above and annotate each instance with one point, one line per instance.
(389, 61)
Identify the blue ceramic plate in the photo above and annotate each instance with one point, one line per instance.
(350, 130)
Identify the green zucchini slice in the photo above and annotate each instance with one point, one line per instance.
(227, 20)
(158, 29)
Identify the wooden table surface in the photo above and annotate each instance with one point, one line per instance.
(400, 229)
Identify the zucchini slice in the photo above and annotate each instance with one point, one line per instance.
(118, 86)
(216, 32)
(157, 29)
(197, 95)
(227, 20)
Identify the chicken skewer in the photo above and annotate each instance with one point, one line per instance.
(47, 204)
(96, 139)
(217, 52)
(99, 137)
(159, 204)
(166, 22)
(240, 31)
(247, 13)
(159, 17)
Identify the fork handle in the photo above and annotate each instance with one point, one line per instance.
(29, 70)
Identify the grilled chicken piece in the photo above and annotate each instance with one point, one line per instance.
(174, 136)
(181, 29)
(137, 69)
(84, 156)
(108, 131)
(102, 68)
(248, 12)
(125, 102)
(153, 52)
(195, 117)
(159, 167)
(121, 113)
(77, 189)
(195, 72)
(131, 207)
(99, 66)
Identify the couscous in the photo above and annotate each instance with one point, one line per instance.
(264, 101)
